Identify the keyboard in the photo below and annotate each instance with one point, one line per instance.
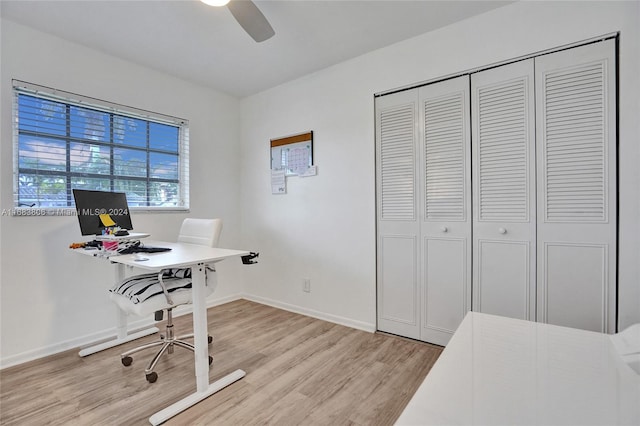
(147, 249)
(143, 249)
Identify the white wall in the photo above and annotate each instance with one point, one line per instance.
(324, 227)
(52, 299)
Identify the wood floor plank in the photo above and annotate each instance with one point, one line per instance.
(300, 370)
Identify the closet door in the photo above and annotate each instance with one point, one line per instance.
(576, 149)
(397, 204)
(445, 213)
(504, 214)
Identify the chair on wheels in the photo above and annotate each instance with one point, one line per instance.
(156, 292)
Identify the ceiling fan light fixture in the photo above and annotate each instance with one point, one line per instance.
(248, 16)
(217, 3)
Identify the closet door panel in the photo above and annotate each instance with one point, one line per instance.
(397, 200)
(504, 216)
(503, 287)
(575, 276)
(398, 283)
(576, 150)
(444, 283)
(445, 215)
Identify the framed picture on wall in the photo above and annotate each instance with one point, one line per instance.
(293, 154)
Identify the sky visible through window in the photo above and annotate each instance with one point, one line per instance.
(63, 146)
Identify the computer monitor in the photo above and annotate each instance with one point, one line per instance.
(91, 204)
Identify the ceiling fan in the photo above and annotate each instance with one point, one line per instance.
(248, 16)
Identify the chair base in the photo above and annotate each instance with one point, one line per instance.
(166, 343)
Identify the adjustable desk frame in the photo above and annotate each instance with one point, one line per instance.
(182, 256)
(122, 335)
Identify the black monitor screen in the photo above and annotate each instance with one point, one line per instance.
(91, 204)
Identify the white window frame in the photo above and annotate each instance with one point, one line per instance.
(29, 89)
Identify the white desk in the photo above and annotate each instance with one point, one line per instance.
(195, 257)
(502, 371)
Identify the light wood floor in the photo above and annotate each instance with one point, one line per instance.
(300, 370)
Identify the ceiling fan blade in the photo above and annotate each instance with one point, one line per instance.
(251, 19)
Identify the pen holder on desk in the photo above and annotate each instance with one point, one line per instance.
(110, 245)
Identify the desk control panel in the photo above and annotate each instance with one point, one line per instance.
(249, 258)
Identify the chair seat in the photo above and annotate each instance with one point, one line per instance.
(152, 304)
(146, 295)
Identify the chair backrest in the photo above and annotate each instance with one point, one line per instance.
(205, 232)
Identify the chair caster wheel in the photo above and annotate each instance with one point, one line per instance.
(210, 360)
(209, 339)
(126, 361)
(152, 377)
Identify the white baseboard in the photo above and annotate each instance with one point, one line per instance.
(110, 333)
(187, 309)
(348, 322)
(100, 336)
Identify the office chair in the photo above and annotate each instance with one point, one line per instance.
(157, 292)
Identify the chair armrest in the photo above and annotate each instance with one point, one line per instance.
(164, 288)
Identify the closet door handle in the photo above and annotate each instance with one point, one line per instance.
(444, 229)
(502, 230)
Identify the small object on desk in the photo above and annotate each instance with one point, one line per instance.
(121, 233)
(143, 249)
(110, 245)
(148, 249)
(140, 257)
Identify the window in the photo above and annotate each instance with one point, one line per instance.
(64, 141)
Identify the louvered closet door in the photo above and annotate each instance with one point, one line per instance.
(504, 222)
(446, 214)
(576, 149)
(397, 201)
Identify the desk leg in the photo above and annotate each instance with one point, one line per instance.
(203, 388)
(200, 328)
(121, 326)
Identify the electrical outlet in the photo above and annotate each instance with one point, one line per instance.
(306, 285)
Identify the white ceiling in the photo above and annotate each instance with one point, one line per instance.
(205, 44)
